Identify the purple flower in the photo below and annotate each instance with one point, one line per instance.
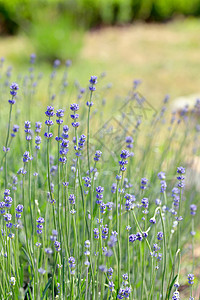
(57, 246)
(50, 111)
(74, 107)
(145, 202)
(93, 79)
(97, 155)
(153, 220)
(127, 292)
(160, 236)
(32, 58)
(132, 238)
(60, 113)
(180, 170)
(110, 273)
(72, 199)
(190, 279)
(19, 208)
(96, 233)
(111, 286)
(120, 294)
(38, 126)
(56, 63)
(7, 217)
(124, 154)
(143, 183)
(163, 186)
(13, 89)
(26, 157)
(161, 175)
(49, 122)
(103, 268)
(193, 209)
(104, 231)
(139, 236)
(48, 135)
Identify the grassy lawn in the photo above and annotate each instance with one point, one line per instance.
(165, 56)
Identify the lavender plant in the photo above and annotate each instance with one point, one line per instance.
(88, 224)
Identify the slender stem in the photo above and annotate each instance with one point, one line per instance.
(58, 183)
(193, 258)
(7, 138)
(118, 240)
(164, 252)
(49, 180)
(88, 134)
(128, 250)
(53, 274)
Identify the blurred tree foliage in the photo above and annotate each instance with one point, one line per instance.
(56, 26)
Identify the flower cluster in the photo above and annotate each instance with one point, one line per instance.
(124, 293)
(27, 130)
(160, 236)
(27, 157)
(180, 177)
(143, 183)
(96, 233)
(59, 115)
(81, 142)
(49, 113)
(14, 130)
(64, 148)
(99, 194)
(104, 231)
(190, 279)
(93, 81)
(134, 237)
(38, 126)
(13, 91)
(176, 196)
(74, 108)
(97, 155)
(57, 246)
(72, 265)
(129, 202)
(87, 180)
(161, 176)
(19, 210)
(87, 253)
(110, 273)
(193, 209)
(123, 162)
(176, 296)
(40, 222)
(72, 199)
(7, 198)
(129, 142)
(145, 202)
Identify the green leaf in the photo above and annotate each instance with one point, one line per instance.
(46, 288)
(29, 261)
(171, 286)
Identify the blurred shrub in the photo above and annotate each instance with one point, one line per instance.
(100, 12)
(55, 35)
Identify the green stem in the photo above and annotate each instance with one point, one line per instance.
(88, 134)
(164, 252)
(7, 138)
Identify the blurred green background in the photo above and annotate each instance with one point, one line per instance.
(128, 39)
(52, 24)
